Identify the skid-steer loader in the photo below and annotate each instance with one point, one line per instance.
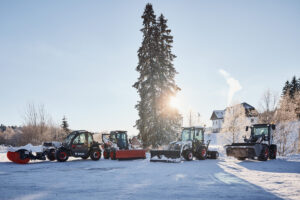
(189, 146)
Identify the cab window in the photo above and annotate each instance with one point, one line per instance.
(80, 139)
(90, 139)
(198, 134)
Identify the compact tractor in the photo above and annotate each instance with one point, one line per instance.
(189, 146)
(259, 146)
(77, 144)
(116, 146)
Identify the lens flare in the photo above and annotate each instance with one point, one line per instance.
(174, 102)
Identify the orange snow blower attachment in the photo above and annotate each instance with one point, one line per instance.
(116, 146)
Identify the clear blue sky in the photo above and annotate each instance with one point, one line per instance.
(78, 58)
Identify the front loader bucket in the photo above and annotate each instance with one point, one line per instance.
(243, 150)
(165, 156)
(17, 157)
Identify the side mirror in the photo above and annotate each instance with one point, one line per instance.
(247, 127)
(273, 126)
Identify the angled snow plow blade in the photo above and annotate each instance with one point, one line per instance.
(243, 150)
(20, 157)
(128, 154)
(172, 156)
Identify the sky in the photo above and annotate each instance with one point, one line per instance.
(78, 58)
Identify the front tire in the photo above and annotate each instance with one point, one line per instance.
(62, 155)
(95, 154)
(106, 154)
(273, 151)
(264, 155)
(51, 155)
(189, 155)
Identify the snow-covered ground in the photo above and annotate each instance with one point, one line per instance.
(224, 178)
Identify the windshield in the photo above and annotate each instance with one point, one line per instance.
(121, 140)
(69, 138)
(186, 135)
(259, 131)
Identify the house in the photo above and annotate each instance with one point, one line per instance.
(217, 116)
(217, 119)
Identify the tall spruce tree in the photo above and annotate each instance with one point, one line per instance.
(293, 87)
(65, 125)
(157, 123)
(286, 88)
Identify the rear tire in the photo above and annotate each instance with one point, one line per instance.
(95, 154)
(264, 155)
(202, 154)
(62, 155)
(51, 155)
(273, 151)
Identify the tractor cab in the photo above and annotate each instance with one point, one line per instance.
(260, 133)
(119, 138)
(192, 134)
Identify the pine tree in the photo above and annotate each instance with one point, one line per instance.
(65, 125)
(293, 87)
(286, 88)
(157, 123)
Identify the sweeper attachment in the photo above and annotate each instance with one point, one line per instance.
(259, 146)
(77, 144)
(191, 145)
(24, 154)
(116, 146)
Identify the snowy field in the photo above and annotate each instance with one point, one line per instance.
(224, 178)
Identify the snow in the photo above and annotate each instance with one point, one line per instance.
(225, 178)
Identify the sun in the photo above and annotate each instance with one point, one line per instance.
(174, 102)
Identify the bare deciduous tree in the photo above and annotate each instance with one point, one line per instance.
(267, 107)
(235, 121)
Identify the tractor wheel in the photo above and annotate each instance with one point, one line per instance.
(264, 155)
(62, 155)
(106, 154)
(95, 154)
(189, 155)
(273, 151)
(241, 158)
(113, 155)
(85, 157)
(202, 154)
(51, 155)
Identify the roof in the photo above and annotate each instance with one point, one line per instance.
(217, 114)
(247, 106)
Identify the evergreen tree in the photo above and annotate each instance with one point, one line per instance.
(293, 87)
(286, 88)
(65, 125)
(157, 123)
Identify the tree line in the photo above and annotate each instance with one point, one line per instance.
(37, 128)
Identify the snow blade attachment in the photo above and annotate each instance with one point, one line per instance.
(243, 150)
(20, 157)
(165, 156)
(129, 154)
